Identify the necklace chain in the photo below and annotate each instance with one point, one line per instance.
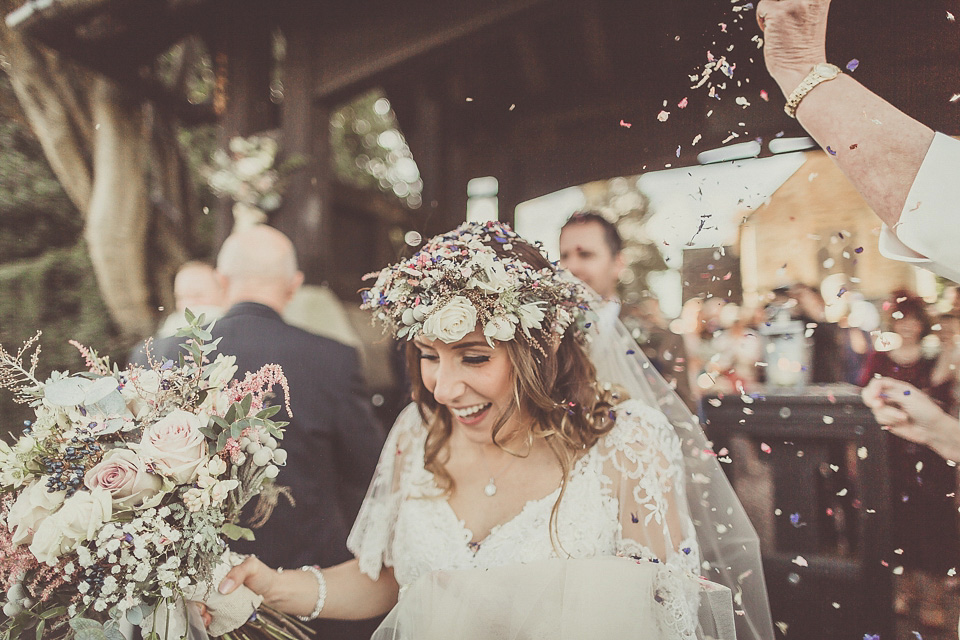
(490, 489)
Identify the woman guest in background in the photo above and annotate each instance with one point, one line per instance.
(926, 532)
(521, 494)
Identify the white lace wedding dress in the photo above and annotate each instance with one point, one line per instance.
(623, 564)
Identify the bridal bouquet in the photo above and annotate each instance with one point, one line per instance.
(119, 497)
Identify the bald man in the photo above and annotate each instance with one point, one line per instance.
(333, 440)
(196, 287)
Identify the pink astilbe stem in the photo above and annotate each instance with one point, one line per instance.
(259, 383)
(92, 365)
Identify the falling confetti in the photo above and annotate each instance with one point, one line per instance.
(951, 17)
(683, 104)
(858, 250)
(764, 96)
(831, 151)
(765, 447)
(852, 65)
(663, 115)
(678, 151)
(800, 561)
(625, 125)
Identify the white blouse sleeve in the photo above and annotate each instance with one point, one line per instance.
(643, 459)
(928, 233)
(371, 538)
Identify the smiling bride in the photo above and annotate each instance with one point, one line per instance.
(544, 483)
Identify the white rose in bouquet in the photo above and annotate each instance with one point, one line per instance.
(33, 506)
(142, 387)
(175, 445)
(452, 322)
(221, 371)
(124, 475)
(78, 520)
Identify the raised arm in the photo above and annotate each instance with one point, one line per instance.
(879, 148)
(350, 594)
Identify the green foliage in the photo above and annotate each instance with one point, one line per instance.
(35, 212)
(58, 294)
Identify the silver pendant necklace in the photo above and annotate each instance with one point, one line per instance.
(490, 489)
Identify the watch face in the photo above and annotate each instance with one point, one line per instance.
(826, 70)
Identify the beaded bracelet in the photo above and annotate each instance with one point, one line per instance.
(321, 593)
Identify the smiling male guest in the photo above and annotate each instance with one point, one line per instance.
(592, 249)
(333, 441)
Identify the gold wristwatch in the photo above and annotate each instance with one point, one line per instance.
(820, 73)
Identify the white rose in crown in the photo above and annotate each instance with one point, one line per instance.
(451, 322)
(500, 328)
(175, 445)
(33, 506)
(497, 280)
(124, 475)
(78, 520)
(531, 316)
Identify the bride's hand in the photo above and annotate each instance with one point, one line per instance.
(257, 577)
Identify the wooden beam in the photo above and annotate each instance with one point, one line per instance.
(374, 44)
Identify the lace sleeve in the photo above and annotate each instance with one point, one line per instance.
(371, 537)
(644, 462)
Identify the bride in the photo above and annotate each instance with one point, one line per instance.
(536, 487)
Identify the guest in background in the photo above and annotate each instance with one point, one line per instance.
(332, 440)
(195, 287)
(925, 524)
(592, 249)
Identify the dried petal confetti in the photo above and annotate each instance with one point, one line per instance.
(663, 115)
(765, 447)
(625, 125)
(831, 151)
(683, 104)
(852, 65)
(764, 96)
(800, 561)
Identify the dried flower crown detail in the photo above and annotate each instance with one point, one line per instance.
(458, 281)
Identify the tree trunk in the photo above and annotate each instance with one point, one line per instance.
(118, 161)
(119, 211)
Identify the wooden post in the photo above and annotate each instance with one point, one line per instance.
(306, 213)
(243, 60)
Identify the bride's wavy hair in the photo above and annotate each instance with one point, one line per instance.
(555, 391)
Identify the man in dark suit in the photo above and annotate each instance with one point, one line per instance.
(333, 441)
(591, 249)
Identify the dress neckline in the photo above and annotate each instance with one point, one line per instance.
(528, 505)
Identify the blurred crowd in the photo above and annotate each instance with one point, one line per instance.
(847, 340)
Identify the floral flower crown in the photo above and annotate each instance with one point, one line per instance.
(459, 279)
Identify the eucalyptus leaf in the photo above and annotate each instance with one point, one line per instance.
(100, 389)
(81, 624)
(135, 616)
(222, 440)
(269, 412)
(67, 392)
(40, 629)
(53, 613)
(245, 405)
(236, 532)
